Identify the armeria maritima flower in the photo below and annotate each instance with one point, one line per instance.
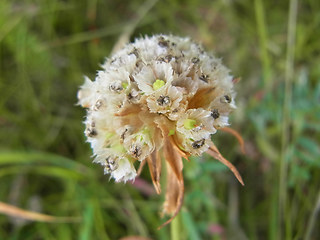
(159, 97)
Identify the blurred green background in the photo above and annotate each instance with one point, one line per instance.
(47, 46)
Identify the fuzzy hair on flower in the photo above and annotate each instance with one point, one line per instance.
(161, 97)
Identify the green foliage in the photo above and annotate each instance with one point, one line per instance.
(47, 46)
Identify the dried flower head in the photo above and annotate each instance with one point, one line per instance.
(159, 96)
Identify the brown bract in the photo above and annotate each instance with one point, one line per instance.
(173, 157)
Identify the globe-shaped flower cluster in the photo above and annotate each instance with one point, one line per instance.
(159, 97)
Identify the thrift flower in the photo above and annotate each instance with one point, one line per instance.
(161, 96)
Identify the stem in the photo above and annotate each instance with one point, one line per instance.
(263, 42)
(175, 228)
(286, 119)
(313, 218)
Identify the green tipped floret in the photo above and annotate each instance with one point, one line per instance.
(119, 148)
(158, 84)
(109, 135)
(189, 124)
(124, 85)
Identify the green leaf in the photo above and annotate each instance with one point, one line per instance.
(60, 165)
(310, 145)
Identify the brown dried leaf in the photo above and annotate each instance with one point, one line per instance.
(183, 154)
(154, 163)
(158, 138)
(141, 167)
(174, 195)
(164, 125)
(128, 110)
(173, 157)
(14, 211)
(174, 190)
(214, 152)
(175, 185)
(237, 135)
(203, 97)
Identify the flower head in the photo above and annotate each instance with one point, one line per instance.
(160, 93)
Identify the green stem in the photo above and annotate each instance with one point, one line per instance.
(286, 120)
(175, 228)
(263, 42)
(313, 219)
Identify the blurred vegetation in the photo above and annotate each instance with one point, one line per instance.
(46, 46)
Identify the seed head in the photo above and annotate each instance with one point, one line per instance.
(160, 93)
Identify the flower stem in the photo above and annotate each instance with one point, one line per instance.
(175, 228)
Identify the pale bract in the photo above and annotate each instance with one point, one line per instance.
(157, 94)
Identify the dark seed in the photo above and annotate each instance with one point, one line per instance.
(227, 98)
(91, 132)
(135, 151)
(110, 160)
(111, 164)
(165, 59)
(124, 134)
(162, 42)
(116, 88)
(195, 60)
(198, 144)
(204, 78)
(131, 78)
(107, 167)
(133, 96)
(135, 52)
(161, 59)
(215, 113)
(163, 100)
(98, 105)
(168, 58)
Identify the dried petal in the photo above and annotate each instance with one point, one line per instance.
(237, 136)
(175, 184)
(154, 163)
(214, 152)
